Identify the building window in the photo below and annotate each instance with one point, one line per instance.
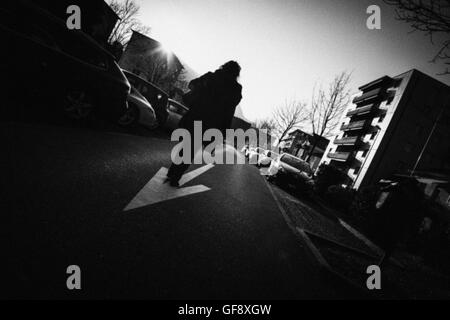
(389, 100)
(419, 130)
(438, 139)
(426, 108)
(407, 147)
(401, 166)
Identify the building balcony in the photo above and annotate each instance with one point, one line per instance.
(383, 81)
(340, 156)
(349, 141)
(369, 96)
(357, 125)
(361, 111)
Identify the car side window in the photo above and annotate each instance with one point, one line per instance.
(28, 30)
(173, 107)
(73, 43)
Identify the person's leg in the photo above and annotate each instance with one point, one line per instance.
(176, 171)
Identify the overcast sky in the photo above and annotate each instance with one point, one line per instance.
(286, 46)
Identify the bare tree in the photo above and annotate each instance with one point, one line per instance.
(327, 106)
(431, 17)
(159, 72)
(156, 65)
(288, 117)
(266, 124)
(127, 11)
(269, 127)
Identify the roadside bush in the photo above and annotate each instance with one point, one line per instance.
(340, 198)
(327, 176)
(432, 240)
(304, 188)
(396, 217)
(363, 204)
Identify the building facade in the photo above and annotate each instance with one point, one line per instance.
(306, 146)
(396, 125)
(147, 58)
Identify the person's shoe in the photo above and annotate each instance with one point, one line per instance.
(174, 183)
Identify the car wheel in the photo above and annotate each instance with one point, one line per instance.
(130, 117)
(78, 104)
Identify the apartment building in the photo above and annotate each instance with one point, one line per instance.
(395, 125)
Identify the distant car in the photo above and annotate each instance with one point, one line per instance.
(49, 64)
(139, 112)
(244, 150)
(254, 155)
(175, 112)
(247, 151)
(266, 158)
(156, 96)
(287, 169)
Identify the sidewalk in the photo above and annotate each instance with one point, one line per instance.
(346, 253)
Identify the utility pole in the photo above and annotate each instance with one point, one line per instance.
(428, 140)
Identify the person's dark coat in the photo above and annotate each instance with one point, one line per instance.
(213, 100)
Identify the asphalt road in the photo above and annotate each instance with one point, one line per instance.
(66, 189)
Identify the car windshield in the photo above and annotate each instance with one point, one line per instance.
(137, 93)
(296, 163)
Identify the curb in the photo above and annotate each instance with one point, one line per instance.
(329, 270)
(361, 237)
(314, 251)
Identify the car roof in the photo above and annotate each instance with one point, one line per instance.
(297, 158)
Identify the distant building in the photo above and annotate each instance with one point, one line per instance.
(394, 126)
(147, 58)
(300, 144)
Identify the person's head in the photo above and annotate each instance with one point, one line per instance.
(231, 69)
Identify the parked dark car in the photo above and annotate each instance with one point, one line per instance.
(157, 97)
(47, 63)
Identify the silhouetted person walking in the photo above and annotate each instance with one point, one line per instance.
(212, 99)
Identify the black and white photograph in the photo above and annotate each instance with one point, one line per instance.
(223, 155)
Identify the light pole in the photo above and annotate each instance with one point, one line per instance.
(426, 142)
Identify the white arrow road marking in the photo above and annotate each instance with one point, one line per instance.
(156, 190)
(193, 174)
